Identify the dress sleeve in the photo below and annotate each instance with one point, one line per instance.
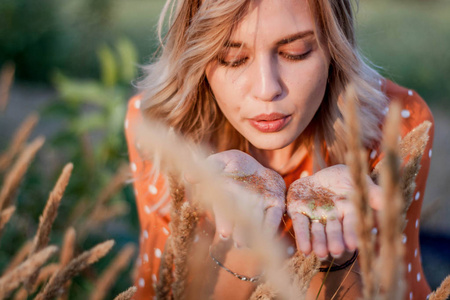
(152, 202)
(414, 111)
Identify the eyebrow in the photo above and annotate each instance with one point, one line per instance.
(294, 37)
(284, 41)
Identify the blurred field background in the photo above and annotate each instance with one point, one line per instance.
(74, 63)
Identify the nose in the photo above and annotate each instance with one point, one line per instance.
(266, 83)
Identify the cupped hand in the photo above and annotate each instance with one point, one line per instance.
(322, 214)
(240, 170)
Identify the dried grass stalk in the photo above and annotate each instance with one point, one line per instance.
(110, 275)
(108, 213)
(55, 288)
(413, 144)
(14, 176)
(116, 183)
(182, 243)
(15, 277)
(19, 257)
(178, 156)
(19, 138)
(356, 161)
(47, 218)
(44, 275)
(443, 291)
(390, 264)
(5, 215)
(163, 287)
(127, 295)
(66, 255)
(100, 212)
(263, 292)
(302, 270)
(68, 247)
(6, 80)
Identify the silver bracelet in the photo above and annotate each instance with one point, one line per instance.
(241, 277)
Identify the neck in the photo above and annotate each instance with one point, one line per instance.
(280, 160)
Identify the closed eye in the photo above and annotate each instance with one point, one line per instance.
(295, 57)
(234, 63)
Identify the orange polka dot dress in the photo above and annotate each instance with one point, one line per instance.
(152, 197)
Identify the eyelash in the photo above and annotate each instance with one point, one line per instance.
(240, 62)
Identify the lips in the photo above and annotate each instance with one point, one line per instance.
(270, 122)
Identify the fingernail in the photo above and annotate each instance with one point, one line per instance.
(322, 258)
(223, 237)
(336, 256)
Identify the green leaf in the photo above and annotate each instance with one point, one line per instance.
(108, 66)
(88, 123)
(80, 91)
(128, 58)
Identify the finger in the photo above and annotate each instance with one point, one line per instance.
(224, 225)
(272, 220)
(300, 223)
(349, 227)
(375, 196)
(239, 237)
(334, 237)
(319, 241)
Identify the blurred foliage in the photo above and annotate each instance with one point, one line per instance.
(409, 40)
(41, 36)
(90, 135)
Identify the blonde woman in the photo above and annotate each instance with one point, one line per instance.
(262, 83)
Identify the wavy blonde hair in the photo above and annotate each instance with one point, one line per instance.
(175, 89)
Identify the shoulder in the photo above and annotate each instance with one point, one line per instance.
(414, 109)
(133, 115)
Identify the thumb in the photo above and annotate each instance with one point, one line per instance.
(376, 196)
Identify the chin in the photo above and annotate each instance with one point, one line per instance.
(270, 144)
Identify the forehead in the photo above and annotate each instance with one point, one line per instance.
(271, 19)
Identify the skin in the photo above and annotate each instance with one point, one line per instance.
(275, 64)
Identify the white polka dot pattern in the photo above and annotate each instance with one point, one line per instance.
(158, 253)
(166, 232)
(374, 231)
(126, 124)
(145, 233)
(141, 282)
(410, 295)
(416, 252)
(418, 277)
(373, 154)
(290, 250)
(304, 174)
(152, 189)
(410, 93)
(405, 113)
(404, 239)
(146, 257)
(147, 209)
(417, 196)
(154, 278)
(417, 223)
(133, 167)
(430, 153)
(137, 104)
(409, 268)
